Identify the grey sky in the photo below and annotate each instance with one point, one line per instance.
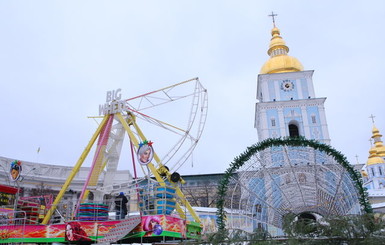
(58, 59)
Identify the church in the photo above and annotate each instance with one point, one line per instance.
(287, 104)
(275, 180)
(373, 172)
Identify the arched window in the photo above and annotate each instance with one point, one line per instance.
(293, 130)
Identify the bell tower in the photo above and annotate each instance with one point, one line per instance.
(286, 102)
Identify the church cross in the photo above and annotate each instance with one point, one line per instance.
(357, 158)
(372, 117)
(272, 15)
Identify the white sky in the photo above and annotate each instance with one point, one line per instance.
(58, 59)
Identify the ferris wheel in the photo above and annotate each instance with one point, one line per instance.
(164, 124)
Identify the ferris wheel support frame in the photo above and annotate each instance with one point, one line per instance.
(74, 171)
(155, 171)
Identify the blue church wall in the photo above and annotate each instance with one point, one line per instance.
(304, 88)
(273, 123)
(371, 172)
(380, 171)
(272, 95)
(313, 111)
(288, 95)
(272, 114)
(314, 122)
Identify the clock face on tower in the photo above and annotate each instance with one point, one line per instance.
(287, 85)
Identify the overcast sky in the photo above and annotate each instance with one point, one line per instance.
(58, 59)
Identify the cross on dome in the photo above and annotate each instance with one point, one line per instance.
(372, 117)
(272, 15)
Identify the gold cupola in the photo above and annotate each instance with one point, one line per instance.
(379, 146)
(279, 60)
(373, 157)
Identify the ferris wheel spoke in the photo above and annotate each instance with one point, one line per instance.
(164, 95)
(154, 101)
(185, 128)
(157, 121)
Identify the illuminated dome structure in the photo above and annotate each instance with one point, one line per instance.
(277, 177)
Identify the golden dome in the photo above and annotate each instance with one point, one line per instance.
(373, 157)
(379, 146)
(279, 60)
(375, 160)
(376, 132)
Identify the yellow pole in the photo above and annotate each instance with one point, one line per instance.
(154, 170)
(74, 171)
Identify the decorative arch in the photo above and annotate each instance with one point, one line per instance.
(295, 142)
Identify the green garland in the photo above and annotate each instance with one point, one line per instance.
(287, 141)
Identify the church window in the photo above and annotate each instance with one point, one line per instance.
(380, 170)
(373, 172)
(293, 130)
(273, 122)
(313, 119)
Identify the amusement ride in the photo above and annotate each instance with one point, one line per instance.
(163, 211)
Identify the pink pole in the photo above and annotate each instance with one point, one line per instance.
(103, 138)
